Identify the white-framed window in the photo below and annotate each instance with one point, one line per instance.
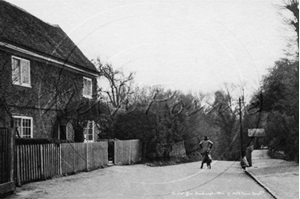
(87, 87)
(20, 71)
(24, 126)
(89, 131)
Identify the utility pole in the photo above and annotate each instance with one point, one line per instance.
(241, 128)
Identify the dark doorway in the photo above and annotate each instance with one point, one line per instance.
(62, 132)
(111, 151)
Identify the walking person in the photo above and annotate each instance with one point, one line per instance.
(206, 146)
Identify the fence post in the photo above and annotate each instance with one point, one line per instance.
(129, 152)
(42, 162)
(86, 155)
(12, 156)
(18, 167)
(115, 152)
(74, 157)
(60, 166)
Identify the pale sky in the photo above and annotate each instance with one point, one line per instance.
(190, 45)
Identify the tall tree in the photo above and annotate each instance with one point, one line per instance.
(293, 7)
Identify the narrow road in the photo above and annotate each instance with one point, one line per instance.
(225, 180)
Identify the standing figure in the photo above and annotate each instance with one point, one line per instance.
(205, 146)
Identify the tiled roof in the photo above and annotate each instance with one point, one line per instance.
(21, 29)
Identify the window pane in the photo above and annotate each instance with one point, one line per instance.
(84, 86)
(90, 125)
(15, 71)
(88, 131)
(26, 123)
(26, 132)
(26, 128)
(25, 74)
(87, 87)
(89, 84)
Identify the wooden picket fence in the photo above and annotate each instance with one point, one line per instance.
(44, 161)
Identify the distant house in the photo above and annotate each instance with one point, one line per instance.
(47, 82)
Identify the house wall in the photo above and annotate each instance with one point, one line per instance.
(53, 88)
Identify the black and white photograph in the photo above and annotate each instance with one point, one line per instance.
(149, 99)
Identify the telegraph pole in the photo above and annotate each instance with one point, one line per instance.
(241, 128)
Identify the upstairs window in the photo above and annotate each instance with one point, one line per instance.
(21, 72)
(87, 87)
(24, 126)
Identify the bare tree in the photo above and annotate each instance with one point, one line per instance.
(120, 86)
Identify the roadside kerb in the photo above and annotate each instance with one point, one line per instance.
(261, 184)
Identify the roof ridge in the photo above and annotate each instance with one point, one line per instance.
(23, 10)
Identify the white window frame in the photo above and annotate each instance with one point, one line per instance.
(20, 130)
(86, 129)
(21, 75)
(90, 96)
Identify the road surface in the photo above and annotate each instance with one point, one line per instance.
(225, 180)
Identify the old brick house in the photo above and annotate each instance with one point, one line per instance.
(47, 82)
